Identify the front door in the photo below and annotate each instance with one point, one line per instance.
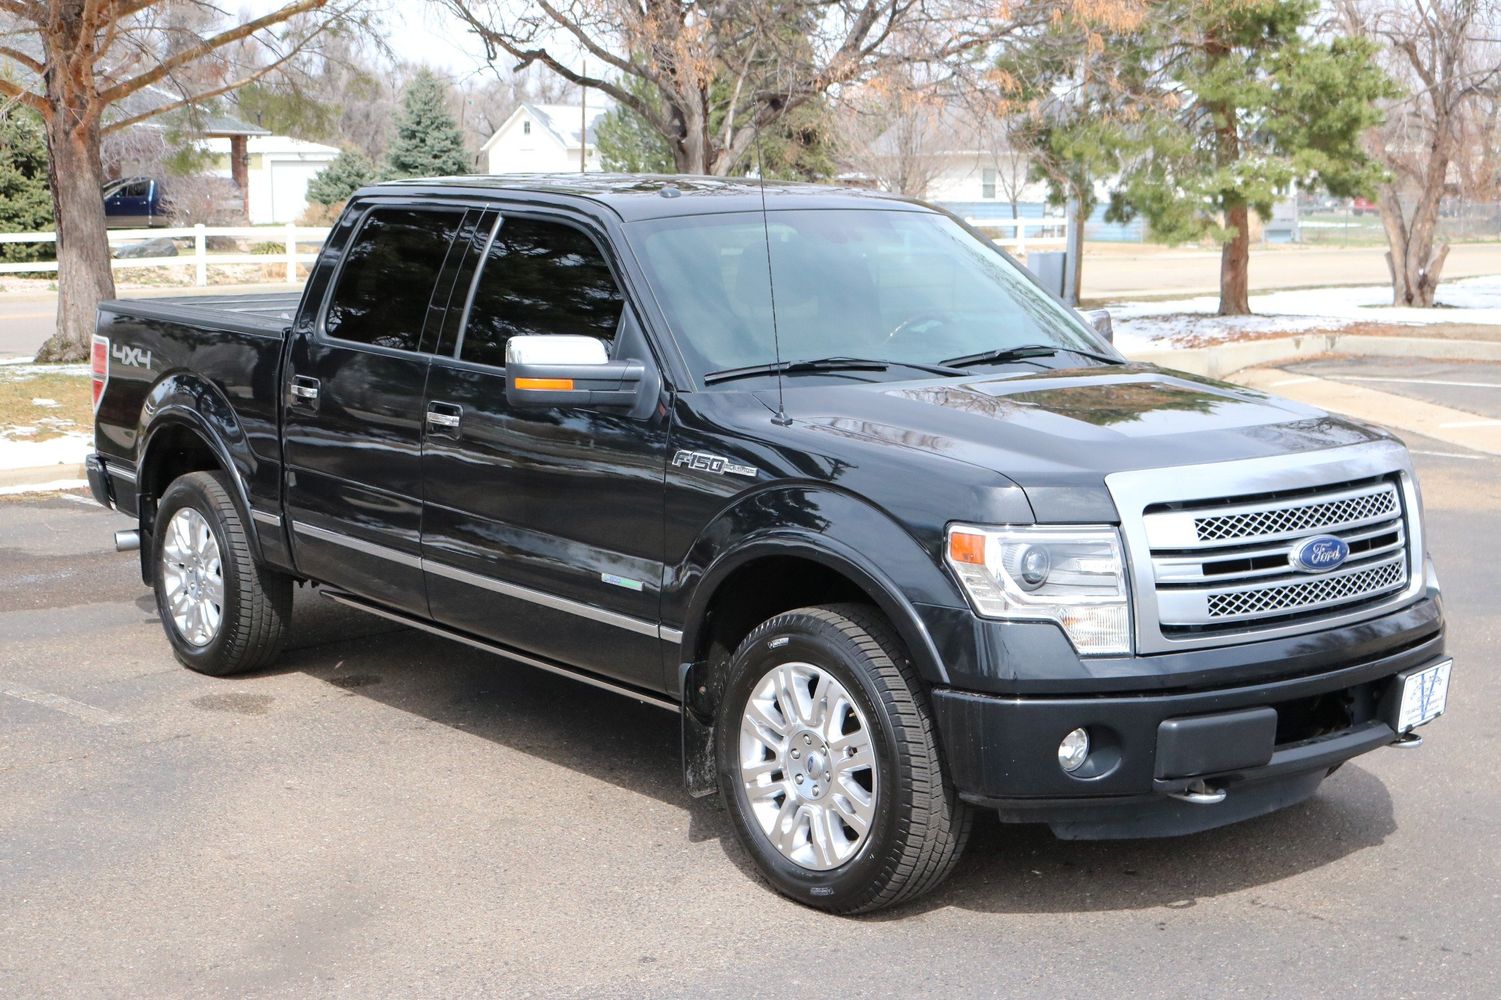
(543, 527)
(353, 404)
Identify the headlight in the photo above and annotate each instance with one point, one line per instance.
(1074, 576)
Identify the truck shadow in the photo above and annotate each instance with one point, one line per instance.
(1006, 869)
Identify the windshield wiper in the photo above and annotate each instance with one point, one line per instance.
(1002, 355)
(832, 364)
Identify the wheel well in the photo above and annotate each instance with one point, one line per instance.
(175, 451)
(761, 589)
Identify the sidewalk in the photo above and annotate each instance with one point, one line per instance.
(1136, 271)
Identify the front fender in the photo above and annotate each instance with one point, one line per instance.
(835, 529)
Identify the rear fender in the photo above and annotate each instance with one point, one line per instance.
(186, 401)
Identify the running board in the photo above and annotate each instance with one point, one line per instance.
(490, 647)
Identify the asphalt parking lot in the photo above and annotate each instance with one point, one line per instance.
(386, 814)
(1471, 386)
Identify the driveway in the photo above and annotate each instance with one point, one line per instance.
(386, 814)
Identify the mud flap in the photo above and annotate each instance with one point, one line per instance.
(699, 772)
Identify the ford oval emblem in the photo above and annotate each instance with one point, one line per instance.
(1319, 554)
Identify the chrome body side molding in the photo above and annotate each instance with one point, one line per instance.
(630, 624)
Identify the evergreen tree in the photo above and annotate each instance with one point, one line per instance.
(428, 142)
(350, 171)
(25, 198)
(1250, 106)
(627, 142)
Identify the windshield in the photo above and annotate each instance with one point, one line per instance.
(887, 285)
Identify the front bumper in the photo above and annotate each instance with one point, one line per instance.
(1267, 743)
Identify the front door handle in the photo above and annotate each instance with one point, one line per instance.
(305, 391)
(444, 418)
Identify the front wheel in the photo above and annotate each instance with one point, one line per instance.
(829, 763)
(222, 611)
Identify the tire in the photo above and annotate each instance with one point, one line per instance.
(917, 825)
(253, 602)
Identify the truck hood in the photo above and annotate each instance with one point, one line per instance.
(1058, 434)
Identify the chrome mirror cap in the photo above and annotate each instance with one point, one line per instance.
(556, 350)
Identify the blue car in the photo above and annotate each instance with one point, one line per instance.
(134, 203)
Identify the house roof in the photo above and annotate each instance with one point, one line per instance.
(561, 121)
(199, 121)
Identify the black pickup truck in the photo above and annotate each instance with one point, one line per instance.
(896, 533)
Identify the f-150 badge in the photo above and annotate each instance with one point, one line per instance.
(702, 461)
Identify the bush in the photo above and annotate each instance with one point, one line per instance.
(333, 185)
(203, 199)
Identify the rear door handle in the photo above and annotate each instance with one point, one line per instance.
(446, 416)
(305, 391)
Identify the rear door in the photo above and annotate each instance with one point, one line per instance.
(353, 392)
(543, 527)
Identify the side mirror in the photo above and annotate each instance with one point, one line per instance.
(1100, 320)
(569, 371)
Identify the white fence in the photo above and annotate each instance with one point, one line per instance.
(289, 240)
(1054, 232)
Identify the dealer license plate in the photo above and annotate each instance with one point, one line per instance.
(1424, 694)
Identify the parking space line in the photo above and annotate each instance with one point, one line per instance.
(1471, 423)
(1292, 381)
(1420, 381)
(59, 703)
(1449, 454)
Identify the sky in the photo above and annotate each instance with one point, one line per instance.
(420, 32)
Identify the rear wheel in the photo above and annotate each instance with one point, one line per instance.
(829, 764)
(223, 612)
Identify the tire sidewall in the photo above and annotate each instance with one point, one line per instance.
(190, 492)
(812, 641)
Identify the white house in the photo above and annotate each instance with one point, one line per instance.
(277, 171)
(544, 138)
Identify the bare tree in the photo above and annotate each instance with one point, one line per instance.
(898, 134)
(721, 70)
(78, 60)
(1446, 56)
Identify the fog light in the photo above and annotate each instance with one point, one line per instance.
(1073, 750)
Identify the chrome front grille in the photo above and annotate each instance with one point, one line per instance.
(1318, 593)
(1295, 518)
(1228, 563)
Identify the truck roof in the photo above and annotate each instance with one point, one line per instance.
(633, 197)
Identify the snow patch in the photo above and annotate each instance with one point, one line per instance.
(66, 449)
(1181, 322)
(45, 403)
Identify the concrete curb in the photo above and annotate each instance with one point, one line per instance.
(1223, 359)
(37, 475)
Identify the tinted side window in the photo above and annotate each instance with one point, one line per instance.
(389, 271)
(539, 278)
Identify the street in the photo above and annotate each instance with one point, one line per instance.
(388, 814)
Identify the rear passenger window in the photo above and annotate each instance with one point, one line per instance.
(539, 278)
(390, 268)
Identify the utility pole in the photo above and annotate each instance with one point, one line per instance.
(583, 120)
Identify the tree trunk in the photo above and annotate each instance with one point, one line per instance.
(83, 271)
(1235, 264)
(1078, 216)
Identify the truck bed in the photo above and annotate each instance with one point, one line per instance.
(244, 312)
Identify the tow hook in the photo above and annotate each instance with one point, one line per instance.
(1200, 794)
(128, 540)
(1407, 741)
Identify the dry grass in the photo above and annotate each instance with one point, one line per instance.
(74, 410)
